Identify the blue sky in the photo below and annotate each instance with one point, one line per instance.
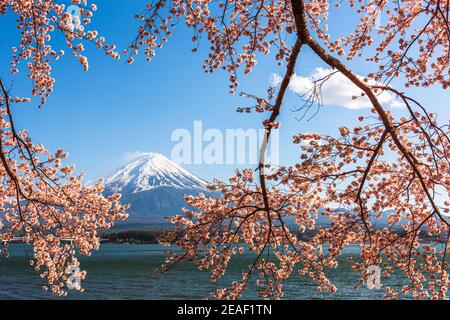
(101, 116)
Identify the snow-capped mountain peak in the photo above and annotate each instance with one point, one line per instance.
(150, 171)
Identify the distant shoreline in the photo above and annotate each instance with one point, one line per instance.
(142, 236)
(131, 237)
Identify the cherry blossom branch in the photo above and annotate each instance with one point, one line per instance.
(299, 15)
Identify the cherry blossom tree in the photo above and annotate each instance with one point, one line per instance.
(41, 201)
(384, 165)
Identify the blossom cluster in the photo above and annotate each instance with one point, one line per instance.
(409, 37)
(39, 22)
(45, 204)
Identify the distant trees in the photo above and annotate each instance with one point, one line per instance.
(132, 236)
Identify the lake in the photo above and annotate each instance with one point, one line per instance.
(119, 271)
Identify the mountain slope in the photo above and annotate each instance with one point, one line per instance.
(150, 171)
(154, 186)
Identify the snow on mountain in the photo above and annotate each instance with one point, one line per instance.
(149, 171)
(154, 186)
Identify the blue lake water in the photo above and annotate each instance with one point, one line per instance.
(119, 271)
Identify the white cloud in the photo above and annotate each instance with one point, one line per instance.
(337, 90)
(275, 80)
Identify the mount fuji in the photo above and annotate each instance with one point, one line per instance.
(154, 186)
